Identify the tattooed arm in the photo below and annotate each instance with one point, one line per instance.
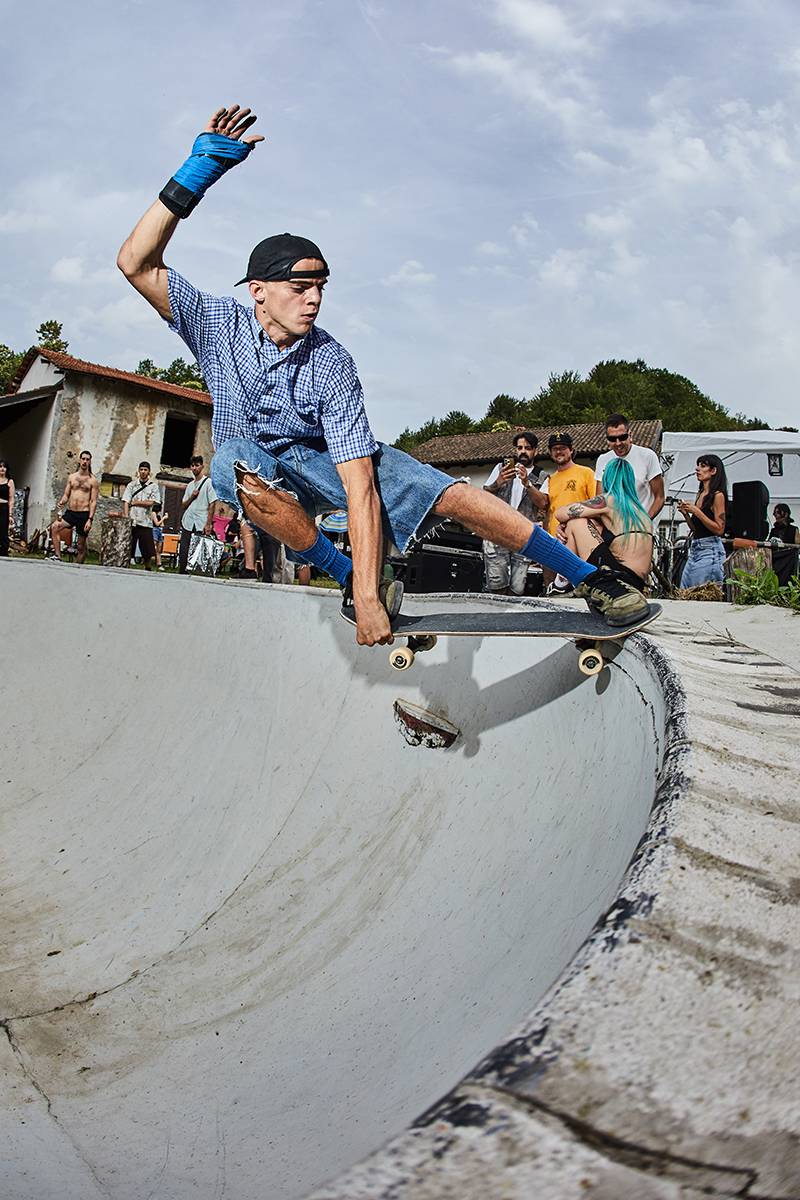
(586, 508)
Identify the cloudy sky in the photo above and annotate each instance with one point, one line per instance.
(503, 188)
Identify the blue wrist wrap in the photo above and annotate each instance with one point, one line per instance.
(212, 155)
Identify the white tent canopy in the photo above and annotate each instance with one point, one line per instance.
(746, 454)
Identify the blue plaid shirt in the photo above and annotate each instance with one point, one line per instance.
(271, 396)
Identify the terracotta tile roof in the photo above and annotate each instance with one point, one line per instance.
(65, 362)
(589, 440)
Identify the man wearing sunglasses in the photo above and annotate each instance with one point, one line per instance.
(643, 462)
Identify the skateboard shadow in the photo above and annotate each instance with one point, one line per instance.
(452, 690)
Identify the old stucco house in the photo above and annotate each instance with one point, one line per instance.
(60, 405)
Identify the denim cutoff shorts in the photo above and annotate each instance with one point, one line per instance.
(408, 489)
(705, 562)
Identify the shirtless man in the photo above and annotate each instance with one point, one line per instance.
(76, 508)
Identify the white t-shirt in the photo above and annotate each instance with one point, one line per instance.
(136, 490)
(196, 514)
(516, 486)
(645, 466)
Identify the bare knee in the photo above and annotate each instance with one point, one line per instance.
(453, 499)
(274, 510)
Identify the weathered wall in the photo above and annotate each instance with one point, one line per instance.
(26, 445)
(121, 425)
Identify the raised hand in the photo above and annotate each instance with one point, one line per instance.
(233, 123)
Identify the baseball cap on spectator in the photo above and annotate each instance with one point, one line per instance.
(559, 439)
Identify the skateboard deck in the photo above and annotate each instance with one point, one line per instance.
(422, 631)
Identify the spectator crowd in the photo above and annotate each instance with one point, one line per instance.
(605, 516)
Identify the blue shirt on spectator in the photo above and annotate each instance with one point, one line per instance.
(271, 396)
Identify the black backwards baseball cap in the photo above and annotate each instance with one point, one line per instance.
(559, 439)
(274, 258)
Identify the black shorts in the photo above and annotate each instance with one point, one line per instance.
(77, 520)
(601, 556)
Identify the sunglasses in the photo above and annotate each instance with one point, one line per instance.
(617, 437)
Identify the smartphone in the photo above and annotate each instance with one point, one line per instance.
(510, 461)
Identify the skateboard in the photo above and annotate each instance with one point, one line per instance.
(586, 629)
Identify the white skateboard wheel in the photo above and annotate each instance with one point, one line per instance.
(401, 659)
(590, 662)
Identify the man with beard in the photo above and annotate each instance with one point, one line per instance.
(515, 481)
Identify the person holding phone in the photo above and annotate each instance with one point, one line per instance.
(516, 481)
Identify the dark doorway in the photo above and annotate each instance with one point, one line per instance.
(179, 434)
(173, 495)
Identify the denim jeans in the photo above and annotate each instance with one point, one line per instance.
(504, 569)
(704, 564)
(408, 489)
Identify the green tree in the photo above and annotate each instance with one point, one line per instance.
(147, 368)
(179, 371)
(613, 385)
(9, 365)
(503, 408)
(49, 337)
(455, 422)
(566, 399)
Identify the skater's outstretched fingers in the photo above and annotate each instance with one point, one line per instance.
(233, 122)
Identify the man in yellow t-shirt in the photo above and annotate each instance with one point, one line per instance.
(569, 483)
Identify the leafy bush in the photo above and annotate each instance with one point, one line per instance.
(762, 587)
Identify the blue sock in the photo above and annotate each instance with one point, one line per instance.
(548, 551)
(323, 554)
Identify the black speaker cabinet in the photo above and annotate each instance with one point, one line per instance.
(441, 570)
(749, 510)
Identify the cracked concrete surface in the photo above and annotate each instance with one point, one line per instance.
(239, 973)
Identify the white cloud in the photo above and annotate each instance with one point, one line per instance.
(355, 325)
(522, 230)
(25, 222)
(491, 249)
(587, 160)
(544, 25)
(411, 274)
(529, 83)
(565, 269)
(67, 270)
(607, 224)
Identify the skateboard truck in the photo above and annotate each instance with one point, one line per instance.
(590, 659)
(403, 657)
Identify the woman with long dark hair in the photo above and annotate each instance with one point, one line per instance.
(706, 521)
(6, 507)
(784, 530)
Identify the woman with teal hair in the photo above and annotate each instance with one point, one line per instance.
(612, 530)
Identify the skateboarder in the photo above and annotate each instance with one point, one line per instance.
(76, 508)
(289, 425)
